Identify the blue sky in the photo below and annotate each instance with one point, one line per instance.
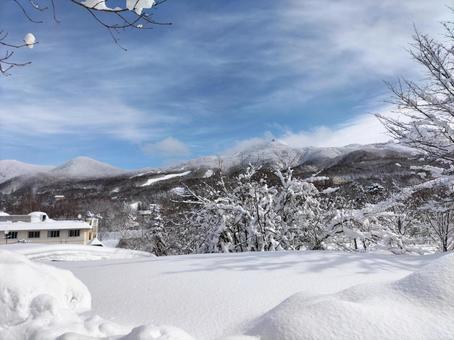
(224, 75)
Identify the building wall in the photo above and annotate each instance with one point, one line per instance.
(64, 237)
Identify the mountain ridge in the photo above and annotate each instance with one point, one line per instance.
(264, 152)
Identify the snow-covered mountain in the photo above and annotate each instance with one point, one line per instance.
(12, 168)
(77, 168)
(85, 167)
(275, 152)
(349, 162)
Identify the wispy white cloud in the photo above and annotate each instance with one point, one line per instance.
(92, 117)
(370, 35)
(169, 147)
(364, 129)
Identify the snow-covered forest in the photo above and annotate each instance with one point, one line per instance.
(270, 239)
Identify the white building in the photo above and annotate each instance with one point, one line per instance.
(37, 227)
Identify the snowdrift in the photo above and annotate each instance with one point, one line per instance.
(41, 302)
(419, 306)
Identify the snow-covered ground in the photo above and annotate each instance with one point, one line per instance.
(257, 296)
(72, 252)
(210, 296)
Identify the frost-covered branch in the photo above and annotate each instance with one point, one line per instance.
(7, 51)
(425, 112)
(132, 14)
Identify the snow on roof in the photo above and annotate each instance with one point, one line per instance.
(38, 216)
(47, 225)
(2, 213)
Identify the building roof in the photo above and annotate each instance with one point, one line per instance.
(45, 225)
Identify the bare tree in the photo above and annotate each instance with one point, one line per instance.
(134, 15)
(425, 118)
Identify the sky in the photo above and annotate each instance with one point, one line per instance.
(224, 74)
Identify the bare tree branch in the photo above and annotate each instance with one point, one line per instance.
(114, 20)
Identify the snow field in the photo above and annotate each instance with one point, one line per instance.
(249, 296)
(217, 295)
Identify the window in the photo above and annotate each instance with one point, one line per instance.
(74, 233)
(12, 234)
(53, 233)
(33, 234)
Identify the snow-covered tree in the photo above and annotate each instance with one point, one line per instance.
(154, 237)
(114, 16)
(439, 216)
(127, 220)
(425, 121)
(250, 214)
(425, 112)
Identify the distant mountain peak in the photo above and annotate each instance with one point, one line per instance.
(10, 168)
(85, 167)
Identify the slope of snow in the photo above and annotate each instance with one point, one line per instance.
(153, 180)
(419, 306)
(41, 302)
(72, 252)
(11, 168)
(84, 167)
(216, 295)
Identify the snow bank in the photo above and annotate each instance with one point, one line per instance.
(41, 302)
(419, 306)
(34, 295)
(72, 252)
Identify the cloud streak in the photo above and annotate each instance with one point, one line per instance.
(364, 129)
(169, 148)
